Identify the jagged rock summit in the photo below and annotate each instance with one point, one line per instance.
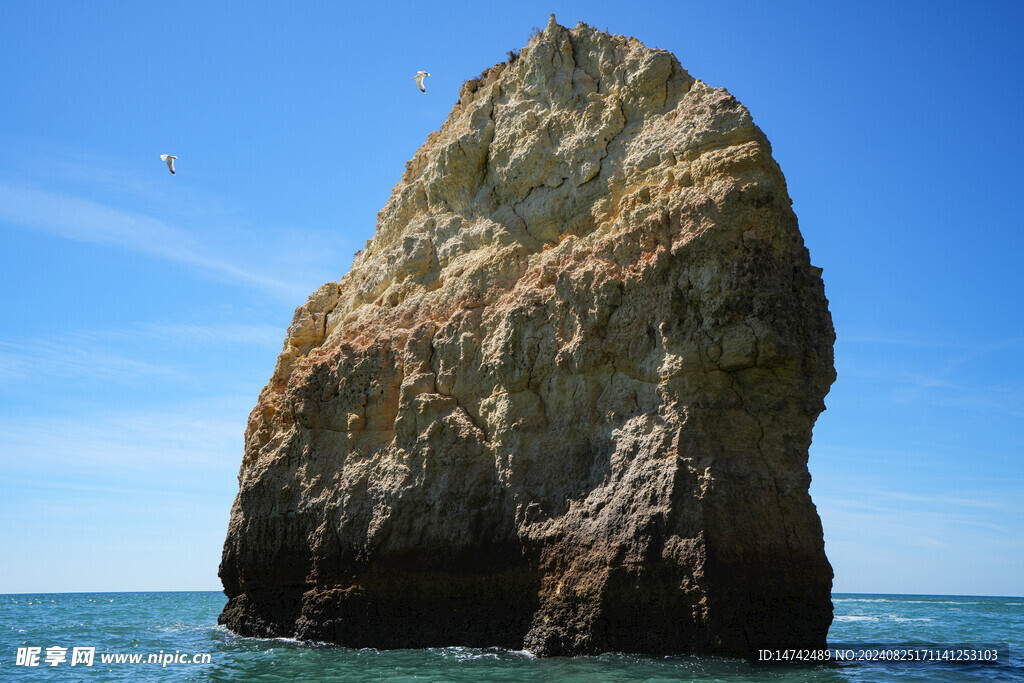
(564, 398)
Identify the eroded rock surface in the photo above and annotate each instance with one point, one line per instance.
(564, 398)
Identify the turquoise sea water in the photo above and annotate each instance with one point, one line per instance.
(169, 624)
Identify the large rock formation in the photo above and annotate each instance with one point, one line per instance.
(563, 400)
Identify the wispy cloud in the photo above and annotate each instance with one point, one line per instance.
(42, 490)
(925, 455)
(909, 342)
(85, 220)
(957, 374)
(125, 354)
(893, 502)
(923, 521)
(68, 360)
(196, 437)
(92, 173)
(187, 333)
(959, 395)
(973, 347)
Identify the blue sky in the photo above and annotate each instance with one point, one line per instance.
(142, 313)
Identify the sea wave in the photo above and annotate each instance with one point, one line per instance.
(459, 653)
(280, 639)
(464, 654)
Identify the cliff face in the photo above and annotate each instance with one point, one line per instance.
(563, 400)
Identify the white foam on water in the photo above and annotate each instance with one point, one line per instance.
(855, 618)
(462, 653)
(281, 639)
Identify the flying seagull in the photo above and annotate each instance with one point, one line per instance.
(420, 75)
(169, 158)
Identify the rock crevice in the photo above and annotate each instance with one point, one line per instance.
(563, 399)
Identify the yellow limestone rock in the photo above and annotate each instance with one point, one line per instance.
(564, 398)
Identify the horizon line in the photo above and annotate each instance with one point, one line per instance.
(916, 595)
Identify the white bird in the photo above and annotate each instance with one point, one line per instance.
(169, 158)
(420, 75)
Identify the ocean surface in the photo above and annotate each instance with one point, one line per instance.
(178, 626)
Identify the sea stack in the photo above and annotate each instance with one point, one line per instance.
(564, 398)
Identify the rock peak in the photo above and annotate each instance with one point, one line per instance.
(564, 398)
